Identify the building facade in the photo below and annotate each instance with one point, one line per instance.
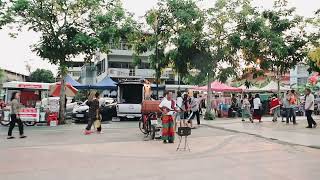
(119, 65)
(299, 76)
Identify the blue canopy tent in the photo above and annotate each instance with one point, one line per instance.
(106, 83)
(74, 83)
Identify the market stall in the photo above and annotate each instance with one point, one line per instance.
(31, 95)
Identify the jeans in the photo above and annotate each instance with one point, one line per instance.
(276, 113)
(13, 122)
(309, 118)
(291, 112)
(90, 122)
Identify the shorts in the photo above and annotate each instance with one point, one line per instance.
(180, 116)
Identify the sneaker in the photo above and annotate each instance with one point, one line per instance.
(87, 132)
(165, 142)
(100, 132)
(10, 137)
(308, 127)
(22, 136)
(242, 120)
(315, 126)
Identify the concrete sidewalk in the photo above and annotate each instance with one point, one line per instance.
(288, 133)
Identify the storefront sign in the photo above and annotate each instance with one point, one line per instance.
(30, 86)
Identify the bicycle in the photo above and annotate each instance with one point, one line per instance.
(148, 124)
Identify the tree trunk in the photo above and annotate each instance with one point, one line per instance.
(62, 109)
(209, 95)
(278, 82)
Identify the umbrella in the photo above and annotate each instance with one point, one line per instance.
(56, 88)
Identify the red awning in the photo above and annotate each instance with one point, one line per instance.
(219, 87)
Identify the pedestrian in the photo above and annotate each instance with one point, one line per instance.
(2, 104)
(275, 107)
(285, 106)
(200, 105)
(309, 108)
(246, 108)
(181, 108)
(194, 110)
(257, 112)
(15, 109)
(167, 107)
(292, 98)
(94, 112)
(186, 105)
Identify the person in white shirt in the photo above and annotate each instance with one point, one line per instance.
(167, 107)
(309, 108)
(194, 110)
(180, 106)
(246, 108)
(257, 108)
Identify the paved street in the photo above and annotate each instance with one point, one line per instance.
(121, 153)
(289, 133)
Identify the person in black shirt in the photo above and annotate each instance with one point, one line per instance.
(94, 114)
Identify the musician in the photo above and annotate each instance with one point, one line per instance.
(167, 107)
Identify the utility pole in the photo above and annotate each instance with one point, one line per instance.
(157, 59)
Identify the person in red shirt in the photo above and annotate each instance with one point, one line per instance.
(275, 107)
(2, 104)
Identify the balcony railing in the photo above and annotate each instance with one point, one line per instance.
(137, 73)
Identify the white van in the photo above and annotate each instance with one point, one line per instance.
(130, 97)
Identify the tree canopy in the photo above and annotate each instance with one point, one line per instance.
(41, 75)
(69, 28)
(276, 39)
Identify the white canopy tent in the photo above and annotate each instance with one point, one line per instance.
(273, 87)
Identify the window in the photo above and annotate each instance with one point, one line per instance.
(123, 65)
(144, 66)
(76, 73)
(101, 67)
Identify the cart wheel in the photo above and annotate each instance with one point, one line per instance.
(29, 123)
(142, 126)
(4, 122)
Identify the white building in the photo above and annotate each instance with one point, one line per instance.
(119, 65)
(299, 75)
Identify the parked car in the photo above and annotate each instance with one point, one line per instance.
(107, 110)
(69, 107)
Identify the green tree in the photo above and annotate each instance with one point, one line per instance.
(314, 37)
(274, 38)
(176, 27)
(219, 58)
(42, 75)
(71, 27)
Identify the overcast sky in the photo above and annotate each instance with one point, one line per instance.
(16, 53)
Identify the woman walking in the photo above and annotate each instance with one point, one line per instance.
(194, 110)
(257, 108)
(246, 108)
(275, 107)
(167, 107)
(94, 114)
(15, 109)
